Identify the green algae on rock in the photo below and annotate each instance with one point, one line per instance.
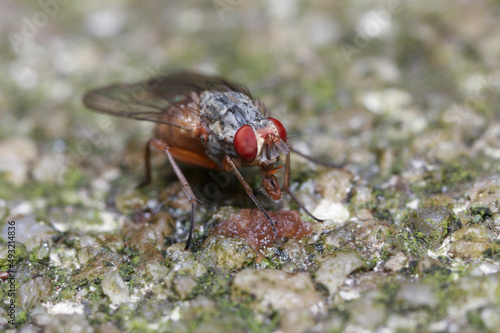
(472, 242)
(433, 223)
(410, 110)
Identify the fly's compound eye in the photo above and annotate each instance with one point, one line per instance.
(279, 126)
(245, 143)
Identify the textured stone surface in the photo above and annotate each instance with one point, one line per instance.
(403, 97)
(291, 295)
(334, 269)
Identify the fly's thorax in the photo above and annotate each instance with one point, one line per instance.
(224, 112)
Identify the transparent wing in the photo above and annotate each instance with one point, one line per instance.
(158, 99)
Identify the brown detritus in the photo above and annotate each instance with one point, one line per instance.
(252, 226)
(4, 276)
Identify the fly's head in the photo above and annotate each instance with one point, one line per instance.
(261, 147)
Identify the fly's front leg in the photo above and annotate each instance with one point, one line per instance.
(314, 160)
(229, 166)
(287, 189)
(185, 185)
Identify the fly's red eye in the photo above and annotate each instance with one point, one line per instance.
(245, 143)
(279, 126)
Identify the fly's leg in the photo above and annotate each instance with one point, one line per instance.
(185, 185)
(312, 159)
(147, 163)
(229, 166)
(287, 189)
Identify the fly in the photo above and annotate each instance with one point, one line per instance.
(205, 121)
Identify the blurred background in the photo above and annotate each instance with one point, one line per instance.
(332, 72)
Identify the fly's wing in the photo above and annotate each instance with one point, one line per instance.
(186, 82)
(158, 99)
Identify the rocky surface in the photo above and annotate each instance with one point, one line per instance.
(403, 96)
